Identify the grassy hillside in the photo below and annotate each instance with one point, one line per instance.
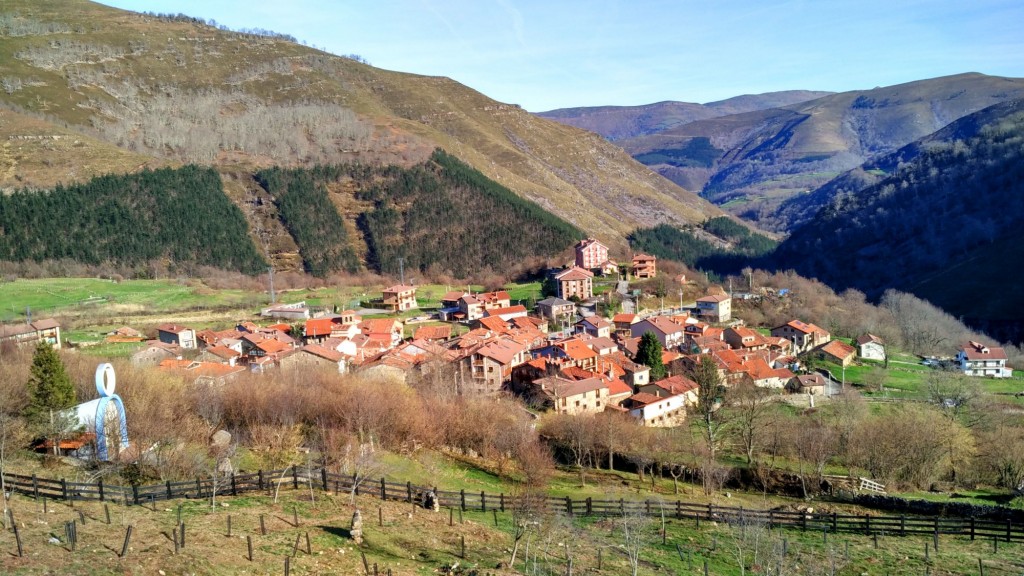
(770, 155)
(179, 90)
(943, 226)
(621, 122)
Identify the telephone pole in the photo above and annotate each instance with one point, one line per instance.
(273, 297)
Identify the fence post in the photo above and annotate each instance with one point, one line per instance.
(259, 476)
(483, 501)
(35, 487)
(64, 488)
(710, 512)
(323, 479)
(835, 522)
(903, 525)
(127, 539)
(199, 488)
(234, 488)
(770, 521)
(568, 505)
(99, 484)
(383, 489)
(972, 528)
(1009, 525)
(679, 509)
(462, 495)
(135, 493)
(170, 494)
(590, 506)
(295, 478)
(867, 524)
(408, 492)
(501, 501)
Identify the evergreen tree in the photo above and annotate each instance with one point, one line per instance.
(648, 353)
(51, 393)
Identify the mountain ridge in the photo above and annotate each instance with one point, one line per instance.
(943, 224)
(178, 91)
(770, 155)
(621, 122)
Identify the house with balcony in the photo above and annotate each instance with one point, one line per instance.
(574, 282)
(803, 335)
(977, 359)
(590, 254)
(31, 333)
(714, 308)
(645, 266)
(400, 298)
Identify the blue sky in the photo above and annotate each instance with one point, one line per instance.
(555, 54)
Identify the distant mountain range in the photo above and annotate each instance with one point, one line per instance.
(86, 90)
(940, 218)
(622, 122)
(752, 162)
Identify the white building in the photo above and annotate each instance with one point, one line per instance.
(976, 359)
(870, 347)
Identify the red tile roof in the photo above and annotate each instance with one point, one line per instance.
(325, 353)
(977, 351)
(398, 288)
(676, 384)
(319, 327)
(503, 351)
(223, 352)
(574, 273)
(838, 349)
(517, 309)
(172, 328)
(577, 350)
(868, 338)
(617, 387)
(713, 298)
(622, 318)
(271, 346)
(433, 332)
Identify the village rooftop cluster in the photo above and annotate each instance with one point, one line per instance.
(487, 345)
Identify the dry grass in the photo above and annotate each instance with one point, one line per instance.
(113, 82)
(409, 542)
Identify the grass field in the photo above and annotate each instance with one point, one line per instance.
(412, 541)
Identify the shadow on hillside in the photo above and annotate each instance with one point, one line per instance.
(337, 531)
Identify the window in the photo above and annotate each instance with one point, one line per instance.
(577, 403)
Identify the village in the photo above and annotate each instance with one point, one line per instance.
(561, 356)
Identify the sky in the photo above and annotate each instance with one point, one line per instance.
(547, 54)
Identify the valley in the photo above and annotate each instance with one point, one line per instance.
(773, 333)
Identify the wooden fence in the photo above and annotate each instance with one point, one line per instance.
(321, 479)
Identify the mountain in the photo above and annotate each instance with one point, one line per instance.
(621, 122)
(943, 223)
(800, 209)
(750, 163)
(135, 90)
